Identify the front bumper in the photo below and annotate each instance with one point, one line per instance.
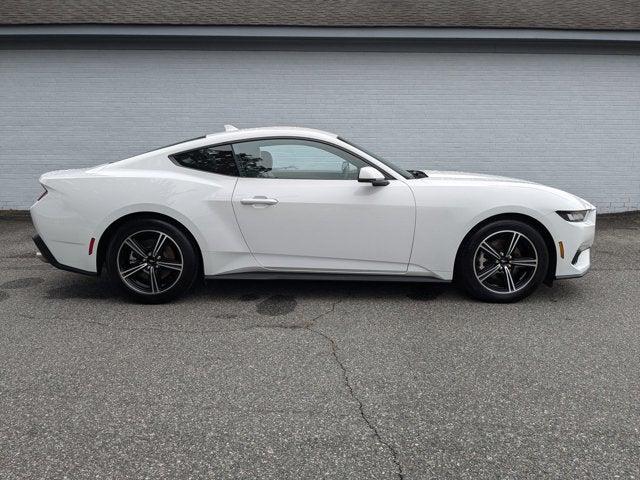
(574, 257)
(580, 267)
(48, 257)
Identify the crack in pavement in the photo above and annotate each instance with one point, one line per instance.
(345, 376)
(306, 326)
(374, 430)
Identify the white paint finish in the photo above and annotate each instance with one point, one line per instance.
(82, 204)
(327, 225)
(315, 225)
(568, 120)
(450, 204)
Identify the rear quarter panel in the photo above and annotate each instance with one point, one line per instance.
(83, 205)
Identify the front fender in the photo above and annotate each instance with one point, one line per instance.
(447, 212)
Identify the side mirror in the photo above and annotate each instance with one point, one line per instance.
(373, 176)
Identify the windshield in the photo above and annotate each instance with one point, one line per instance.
(393, 167)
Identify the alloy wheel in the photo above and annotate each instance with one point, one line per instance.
(150, 262)
(505, 262)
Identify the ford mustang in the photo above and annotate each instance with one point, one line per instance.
(285, 202)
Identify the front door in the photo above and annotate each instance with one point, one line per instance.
(300, 208)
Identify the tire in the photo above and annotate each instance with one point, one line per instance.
(504, 261)
(147, 276)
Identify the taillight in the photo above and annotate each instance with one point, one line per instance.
(42, 194)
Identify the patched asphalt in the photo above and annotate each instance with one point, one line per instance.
(290, 380)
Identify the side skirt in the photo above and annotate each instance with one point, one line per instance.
(348, 277)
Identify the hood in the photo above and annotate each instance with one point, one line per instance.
(453, 175)
(496, 180)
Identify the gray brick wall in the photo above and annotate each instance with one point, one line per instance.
(566, 120)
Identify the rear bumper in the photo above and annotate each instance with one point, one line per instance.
(48, 257)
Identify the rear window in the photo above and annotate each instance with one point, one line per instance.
(218, 159)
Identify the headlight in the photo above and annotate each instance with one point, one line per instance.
(573, 215)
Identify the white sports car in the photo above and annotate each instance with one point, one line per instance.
(284, 202)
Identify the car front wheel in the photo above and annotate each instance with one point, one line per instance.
(503, 261)
(151, 261)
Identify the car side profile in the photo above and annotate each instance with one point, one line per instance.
(286, 202)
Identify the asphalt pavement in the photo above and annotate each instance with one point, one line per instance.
(292, 380)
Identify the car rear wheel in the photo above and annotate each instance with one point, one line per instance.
(503, 261)
(151, 260)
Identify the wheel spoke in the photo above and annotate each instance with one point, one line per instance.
(506, 254)
(157, 255)
(514, 241)
(511, 286)
(488, 272)
(133, 245)
(158, 247)
(153, 280)
(132, 270)
(525, 262)
(170, 265)
(489, 249)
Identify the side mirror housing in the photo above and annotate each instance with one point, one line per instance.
(373, 176)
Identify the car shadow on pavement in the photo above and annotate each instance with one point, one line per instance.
(82, 288)
(323, 289)
(251, 290)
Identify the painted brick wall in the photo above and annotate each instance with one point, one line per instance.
(567, 120)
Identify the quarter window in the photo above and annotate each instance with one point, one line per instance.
(296, 159)
(218, 159)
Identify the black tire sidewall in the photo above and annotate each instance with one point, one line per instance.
(465, 270)
(190, 268)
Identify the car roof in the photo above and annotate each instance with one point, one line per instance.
(232, 133)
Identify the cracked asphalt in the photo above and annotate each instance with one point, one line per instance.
(291, 380)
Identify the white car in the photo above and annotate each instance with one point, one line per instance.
(285, 202)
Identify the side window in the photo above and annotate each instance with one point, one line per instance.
(218, 159)
(297, 159)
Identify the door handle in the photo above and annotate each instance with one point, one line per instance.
(258, 200)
